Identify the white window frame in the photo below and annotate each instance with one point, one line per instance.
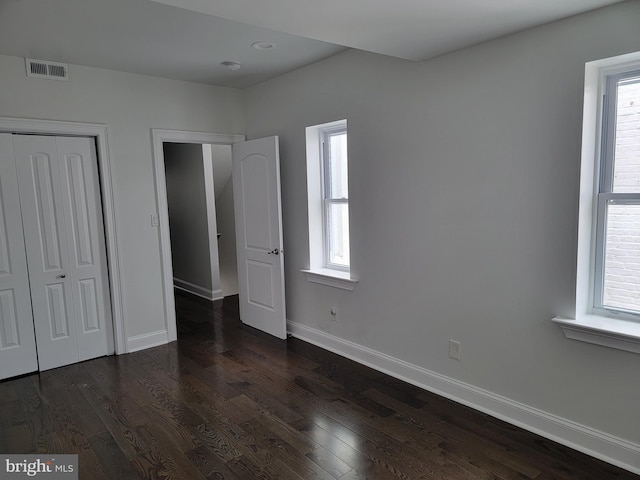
(605, 195)
(320, 269)
(593, 323)
(327, 201)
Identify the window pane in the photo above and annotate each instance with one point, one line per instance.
(337, 171)
(626, 174)
(338, 234)
(622, 258)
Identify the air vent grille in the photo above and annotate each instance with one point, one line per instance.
(38, 68)
(44, 69)
(57, 70)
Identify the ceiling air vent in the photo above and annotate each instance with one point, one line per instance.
(50, 70)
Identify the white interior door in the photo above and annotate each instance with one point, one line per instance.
(17, 339)
(88, 270)
(66, 256)
(256, 195)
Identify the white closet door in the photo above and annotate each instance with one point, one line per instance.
(86, 242)
(47, 254)
(17, 340)
(65, 248)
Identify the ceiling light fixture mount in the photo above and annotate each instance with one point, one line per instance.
(232, 65)
(263, 45)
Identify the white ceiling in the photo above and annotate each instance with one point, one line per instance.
(409, 29)
(155, 37)
(146, 37)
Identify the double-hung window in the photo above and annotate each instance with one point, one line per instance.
(617, 256)
(608, 264)
(335, 197)
(328, 197)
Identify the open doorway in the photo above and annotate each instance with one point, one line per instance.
(201, 219)
(160, 138)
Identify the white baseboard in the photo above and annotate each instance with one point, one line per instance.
(148, 340)
(217, 295)
(601, 445)
(197, 289)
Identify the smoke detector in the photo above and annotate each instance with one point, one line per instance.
(263, 45)
(232, 65)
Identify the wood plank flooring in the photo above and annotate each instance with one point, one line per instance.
(228, 402)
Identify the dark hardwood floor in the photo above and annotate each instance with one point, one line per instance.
(228, 402)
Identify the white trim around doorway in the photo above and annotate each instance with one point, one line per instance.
(101, 134)
(158, 137)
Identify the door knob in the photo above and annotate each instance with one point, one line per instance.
(61, 276)
(275, 251)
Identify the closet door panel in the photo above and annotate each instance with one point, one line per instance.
(17, 340)
(86, 241)
(47, 250)
(40, 166)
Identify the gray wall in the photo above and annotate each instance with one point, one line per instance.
(187, 200)
(131, 105)
(225, 219)
(464, 204)
(188, 214)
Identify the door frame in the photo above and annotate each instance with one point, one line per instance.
(100, 133)
(158, 137)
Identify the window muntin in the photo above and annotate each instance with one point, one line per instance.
(617, 272)
(335, 201)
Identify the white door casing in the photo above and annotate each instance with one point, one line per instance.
(64, 238)
(159, 137)
(17, 340)
(257, 205)
(100, 133)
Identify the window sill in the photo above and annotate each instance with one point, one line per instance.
(608, 332)
(331, 278)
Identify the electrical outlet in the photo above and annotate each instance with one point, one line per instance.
(334, 314)
(454, 349)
